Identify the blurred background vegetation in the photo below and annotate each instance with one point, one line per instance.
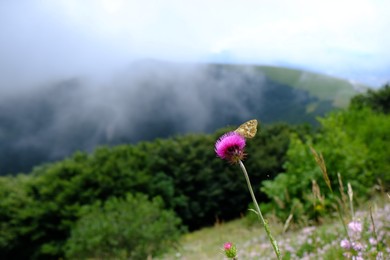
(135, 200)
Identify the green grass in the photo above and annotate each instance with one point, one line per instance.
(207, 243)
(251, 241)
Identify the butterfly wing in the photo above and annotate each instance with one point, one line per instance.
(248, 129)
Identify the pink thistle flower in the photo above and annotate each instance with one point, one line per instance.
(230, 147)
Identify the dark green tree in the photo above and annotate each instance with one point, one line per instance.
(377, 100)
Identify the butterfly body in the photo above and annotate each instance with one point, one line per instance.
(248, 129)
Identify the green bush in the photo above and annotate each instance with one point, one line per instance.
(13, 201)
(184, 171)
(353, 143)
(377, 100)
(131, 228)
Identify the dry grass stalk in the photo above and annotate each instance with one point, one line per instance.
(321, 163)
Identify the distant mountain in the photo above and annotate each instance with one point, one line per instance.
(152, 99)
(339, 91)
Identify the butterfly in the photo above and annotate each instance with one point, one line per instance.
(248, 129)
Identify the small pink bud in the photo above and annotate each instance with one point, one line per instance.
(227, 246)
(230, 250)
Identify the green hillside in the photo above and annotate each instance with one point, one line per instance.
(324, 87)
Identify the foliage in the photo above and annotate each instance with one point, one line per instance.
(14, 199)
(377, 100)
(130, 228)
(39, 210)
(206, 188)
(55, 193)
(353, 143)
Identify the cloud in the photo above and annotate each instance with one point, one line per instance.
(49, 40)
(145, 101)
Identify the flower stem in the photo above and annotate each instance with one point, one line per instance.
(265, 224)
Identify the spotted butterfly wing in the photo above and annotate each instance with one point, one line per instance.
(248, 129)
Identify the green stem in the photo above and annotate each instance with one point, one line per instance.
(265, 224)
(342, 221)
(339, 211)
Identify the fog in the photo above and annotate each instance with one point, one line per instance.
(38, 47)
(74, 74)
(147, 100)
(49, 41)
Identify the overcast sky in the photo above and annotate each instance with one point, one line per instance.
(50, 40)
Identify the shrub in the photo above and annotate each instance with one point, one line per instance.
(130, 228)
(353, 143)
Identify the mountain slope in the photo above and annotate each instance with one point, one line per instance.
(339, 91)
(154, 99)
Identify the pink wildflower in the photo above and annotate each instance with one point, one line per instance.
(357, 246)
(230, 147)
(345, 244)
(355, 226)
(347, 255)
(373, 241)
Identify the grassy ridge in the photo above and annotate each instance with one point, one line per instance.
(324, 87)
